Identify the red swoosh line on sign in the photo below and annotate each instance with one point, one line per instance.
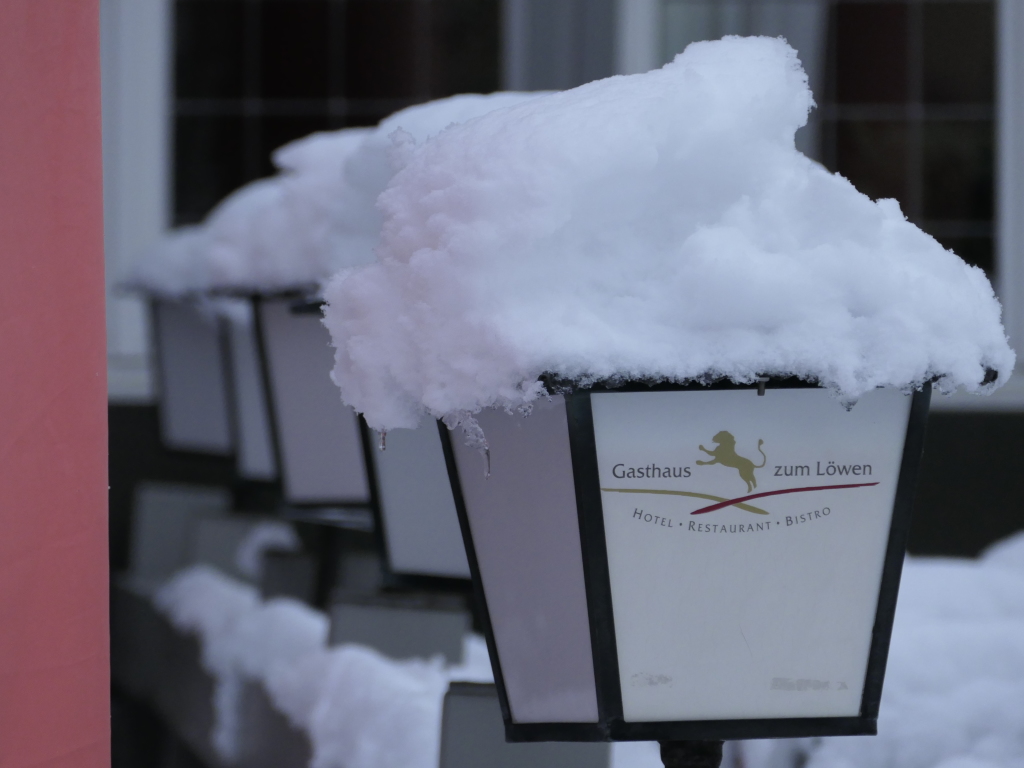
(729, 503)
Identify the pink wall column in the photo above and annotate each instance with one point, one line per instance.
(54, 679)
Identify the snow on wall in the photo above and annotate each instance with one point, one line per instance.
(366, 696)
(239, 636)
(347, 698)
(280, 632)
(296, 688)
(953, 698)
(654, 226)
(201, 600)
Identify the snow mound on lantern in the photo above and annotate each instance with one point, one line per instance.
(319, 215)
(277, 233)
(657, 226)
(175, 265)
(290, 230)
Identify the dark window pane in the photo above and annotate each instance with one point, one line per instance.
(209, 162)
(209, 48)
(873, 156)
(363, 115)
(380, 48)
(871, 53)
(958, 170)
(973, 250)
(464, 47)
(280, 130)
(294, 39)
(959, 52)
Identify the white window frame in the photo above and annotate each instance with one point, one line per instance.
(135, 46)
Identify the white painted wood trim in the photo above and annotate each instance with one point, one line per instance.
(1010, 187)
(135, 43)
(638, 36)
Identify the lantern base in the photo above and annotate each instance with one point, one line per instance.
(691, 754)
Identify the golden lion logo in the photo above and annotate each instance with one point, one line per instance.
(725, 454)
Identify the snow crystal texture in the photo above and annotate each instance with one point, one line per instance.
(656, 226)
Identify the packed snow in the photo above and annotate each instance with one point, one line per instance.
(202, 601)
(346, 698)
(318, 215)
(366, 695)
(659, 226)
(953, 698)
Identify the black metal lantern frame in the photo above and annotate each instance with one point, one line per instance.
(327, 509)
(363, 513)
(611, 724)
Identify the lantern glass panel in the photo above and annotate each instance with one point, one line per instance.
(319, 438)
(421, 526)
(785, 583)
(526, 537)
(255, 443)
(193, 382)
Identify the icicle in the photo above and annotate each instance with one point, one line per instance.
(473, 434)
(383, 439)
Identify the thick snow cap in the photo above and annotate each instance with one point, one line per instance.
(319, 215)
(277, 233)
(659, 227)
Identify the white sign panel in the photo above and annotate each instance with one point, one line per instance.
(321, 447)
(193, 382)
(421, 526)
(746, 538)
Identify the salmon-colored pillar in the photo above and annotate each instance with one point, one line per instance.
(54, 680)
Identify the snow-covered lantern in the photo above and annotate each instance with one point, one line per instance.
(189, 349)
(687, 371)
(330, 459)
(210, 391)
(273, 242)
(690, 562)
(407, 481)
